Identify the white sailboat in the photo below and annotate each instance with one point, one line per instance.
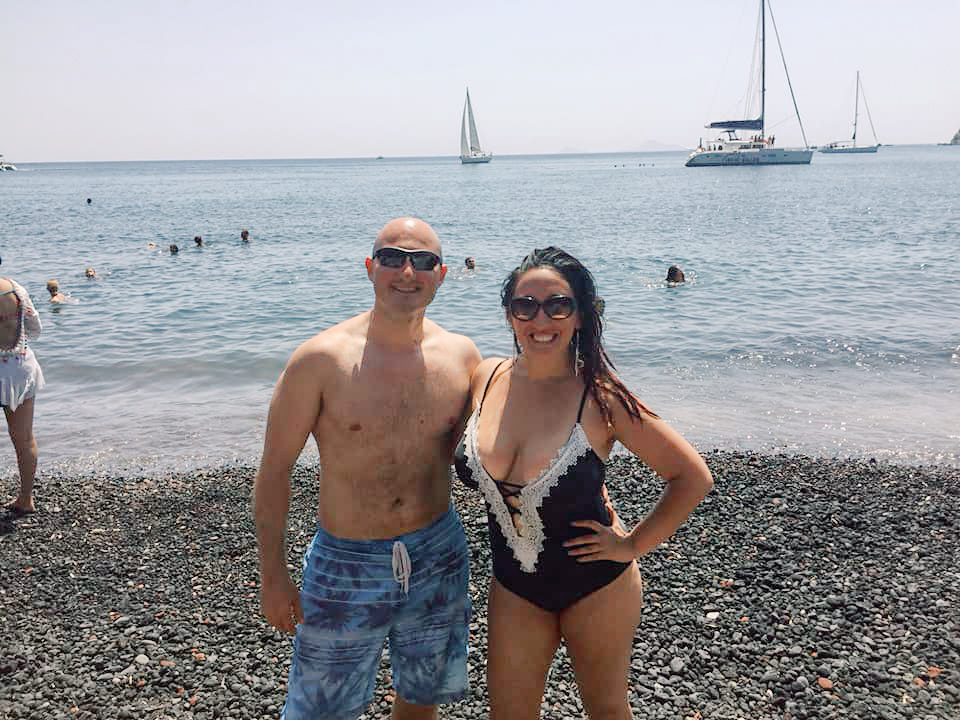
(850, 146)
(4, 165)
(758, 149)
(470, 150)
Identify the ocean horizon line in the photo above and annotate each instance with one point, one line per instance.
(454, 156)
(346, 158)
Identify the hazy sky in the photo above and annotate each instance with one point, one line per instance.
(178, 79)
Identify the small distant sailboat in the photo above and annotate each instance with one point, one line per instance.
(850, 146)
(470, 150)
(4, 165)
(758, 149)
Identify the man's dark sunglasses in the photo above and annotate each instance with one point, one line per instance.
(393, 257)
(555, 307)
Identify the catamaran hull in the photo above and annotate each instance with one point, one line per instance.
(769, 156)
(859, 149)
(472, 159)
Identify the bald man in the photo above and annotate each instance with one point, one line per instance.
(385, 395)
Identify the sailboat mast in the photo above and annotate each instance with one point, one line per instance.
(856, 109)
(763, 62)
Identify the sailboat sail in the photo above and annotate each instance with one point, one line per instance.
(464, 145)
(474, 139)
(470, 150)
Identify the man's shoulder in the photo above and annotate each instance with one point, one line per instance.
(449, 341)
(332, 343)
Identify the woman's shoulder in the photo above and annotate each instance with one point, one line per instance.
(484, 372)
(488, 364)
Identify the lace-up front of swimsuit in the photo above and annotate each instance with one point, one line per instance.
(528, 524)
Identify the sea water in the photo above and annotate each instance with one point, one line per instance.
(821, 311)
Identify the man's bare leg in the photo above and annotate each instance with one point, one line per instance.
(403, 710)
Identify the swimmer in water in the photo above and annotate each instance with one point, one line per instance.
(53, 287)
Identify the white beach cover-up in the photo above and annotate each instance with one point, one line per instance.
(20, 374)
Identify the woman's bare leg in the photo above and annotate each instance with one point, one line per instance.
(599, 633)
(20, 425)
(521, 642)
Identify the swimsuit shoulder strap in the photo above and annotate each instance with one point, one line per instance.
(583, 400)
(487, 387)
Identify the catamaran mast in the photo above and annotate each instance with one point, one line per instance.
(856, 109)
(763, 63)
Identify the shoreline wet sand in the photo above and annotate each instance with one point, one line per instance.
(801, 588)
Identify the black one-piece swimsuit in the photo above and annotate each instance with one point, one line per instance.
(527, 535)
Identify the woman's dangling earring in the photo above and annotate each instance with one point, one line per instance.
(577, 357)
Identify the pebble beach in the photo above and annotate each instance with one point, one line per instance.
(800, 588)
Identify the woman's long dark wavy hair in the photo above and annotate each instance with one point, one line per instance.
(597, 370)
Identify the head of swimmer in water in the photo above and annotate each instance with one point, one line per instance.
(675, 275)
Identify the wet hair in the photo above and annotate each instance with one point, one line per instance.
(598, 370)
(53, 283)
(675, 274)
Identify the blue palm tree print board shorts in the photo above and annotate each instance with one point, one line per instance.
(412, 590)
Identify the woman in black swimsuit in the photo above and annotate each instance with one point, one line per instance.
(536, 444)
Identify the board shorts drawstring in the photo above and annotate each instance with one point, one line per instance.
(401, 566)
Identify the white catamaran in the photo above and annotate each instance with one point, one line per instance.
(850, 146)
(470, 150)
(758, 149)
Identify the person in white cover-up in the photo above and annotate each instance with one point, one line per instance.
(20, 380)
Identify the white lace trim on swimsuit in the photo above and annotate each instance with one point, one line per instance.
(528, 546)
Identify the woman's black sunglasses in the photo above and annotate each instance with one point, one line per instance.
(555, 307)
(392, 257)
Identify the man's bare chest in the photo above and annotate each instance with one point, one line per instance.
(423, 404)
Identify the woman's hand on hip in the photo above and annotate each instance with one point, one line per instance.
(604, 543)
